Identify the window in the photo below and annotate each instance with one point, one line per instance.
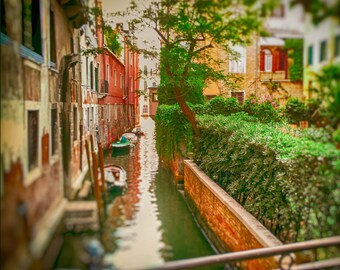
(124, 87)
(154, 97)
(121, 81)
(75, 125)
(108, 73)
(237, 64)
(115, 77)
(3, 17)
(96, 78)
(54, 131)
(239, 95)
(31, 25)
(323, 50)
(91, 75)
(53, 53)
(32, 132)
(88, 119)
(310, 55)
(145, 109)
(266, 60)
(337, 46)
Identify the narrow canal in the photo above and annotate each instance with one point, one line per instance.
(150, 223)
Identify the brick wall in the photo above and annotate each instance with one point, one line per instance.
(228, 225)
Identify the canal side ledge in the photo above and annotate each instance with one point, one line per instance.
(227, 224)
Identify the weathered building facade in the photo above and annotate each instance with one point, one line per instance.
(116, 83)
(262, 68)
(40, 89)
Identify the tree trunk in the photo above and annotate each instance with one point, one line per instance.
(190, 115)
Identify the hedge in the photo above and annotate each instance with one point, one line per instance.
(289, 184)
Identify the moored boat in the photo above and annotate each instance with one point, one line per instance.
(132, 137)
(115, 177)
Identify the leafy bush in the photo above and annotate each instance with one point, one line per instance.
(292, 185)
(264, 111)
(296, 111)
(318, 135)
(225, 106)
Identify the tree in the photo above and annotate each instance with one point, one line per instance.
(329, 89)
(189, 31)
(319, 9)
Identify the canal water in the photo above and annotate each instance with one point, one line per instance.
(149, 223)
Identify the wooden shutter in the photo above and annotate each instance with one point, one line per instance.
(276, 60)
(262, 60)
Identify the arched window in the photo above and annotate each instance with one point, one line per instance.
(266, 60)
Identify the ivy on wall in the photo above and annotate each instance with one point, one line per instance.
(295, 52)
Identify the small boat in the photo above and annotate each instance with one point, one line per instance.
(121, 145)
(138, 131)
(115, 177)
(132, 137)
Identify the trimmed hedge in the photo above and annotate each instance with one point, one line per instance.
(291, 185)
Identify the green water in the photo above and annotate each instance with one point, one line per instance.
(150, 223)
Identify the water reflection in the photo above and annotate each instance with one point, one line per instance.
(150, 223)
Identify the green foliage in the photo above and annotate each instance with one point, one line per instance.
(318, 135)
(265, 112)
(296, 111)
(112, 40)
(329, 90)
(336, 136)
(173, 132)
(225, 106)
(295, 52)
(290, 184)
(189, 31)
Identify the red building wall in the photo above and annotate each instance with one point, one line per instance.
(113, 76)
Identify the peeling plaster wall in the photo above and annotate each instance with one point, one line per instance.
(32, 197)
